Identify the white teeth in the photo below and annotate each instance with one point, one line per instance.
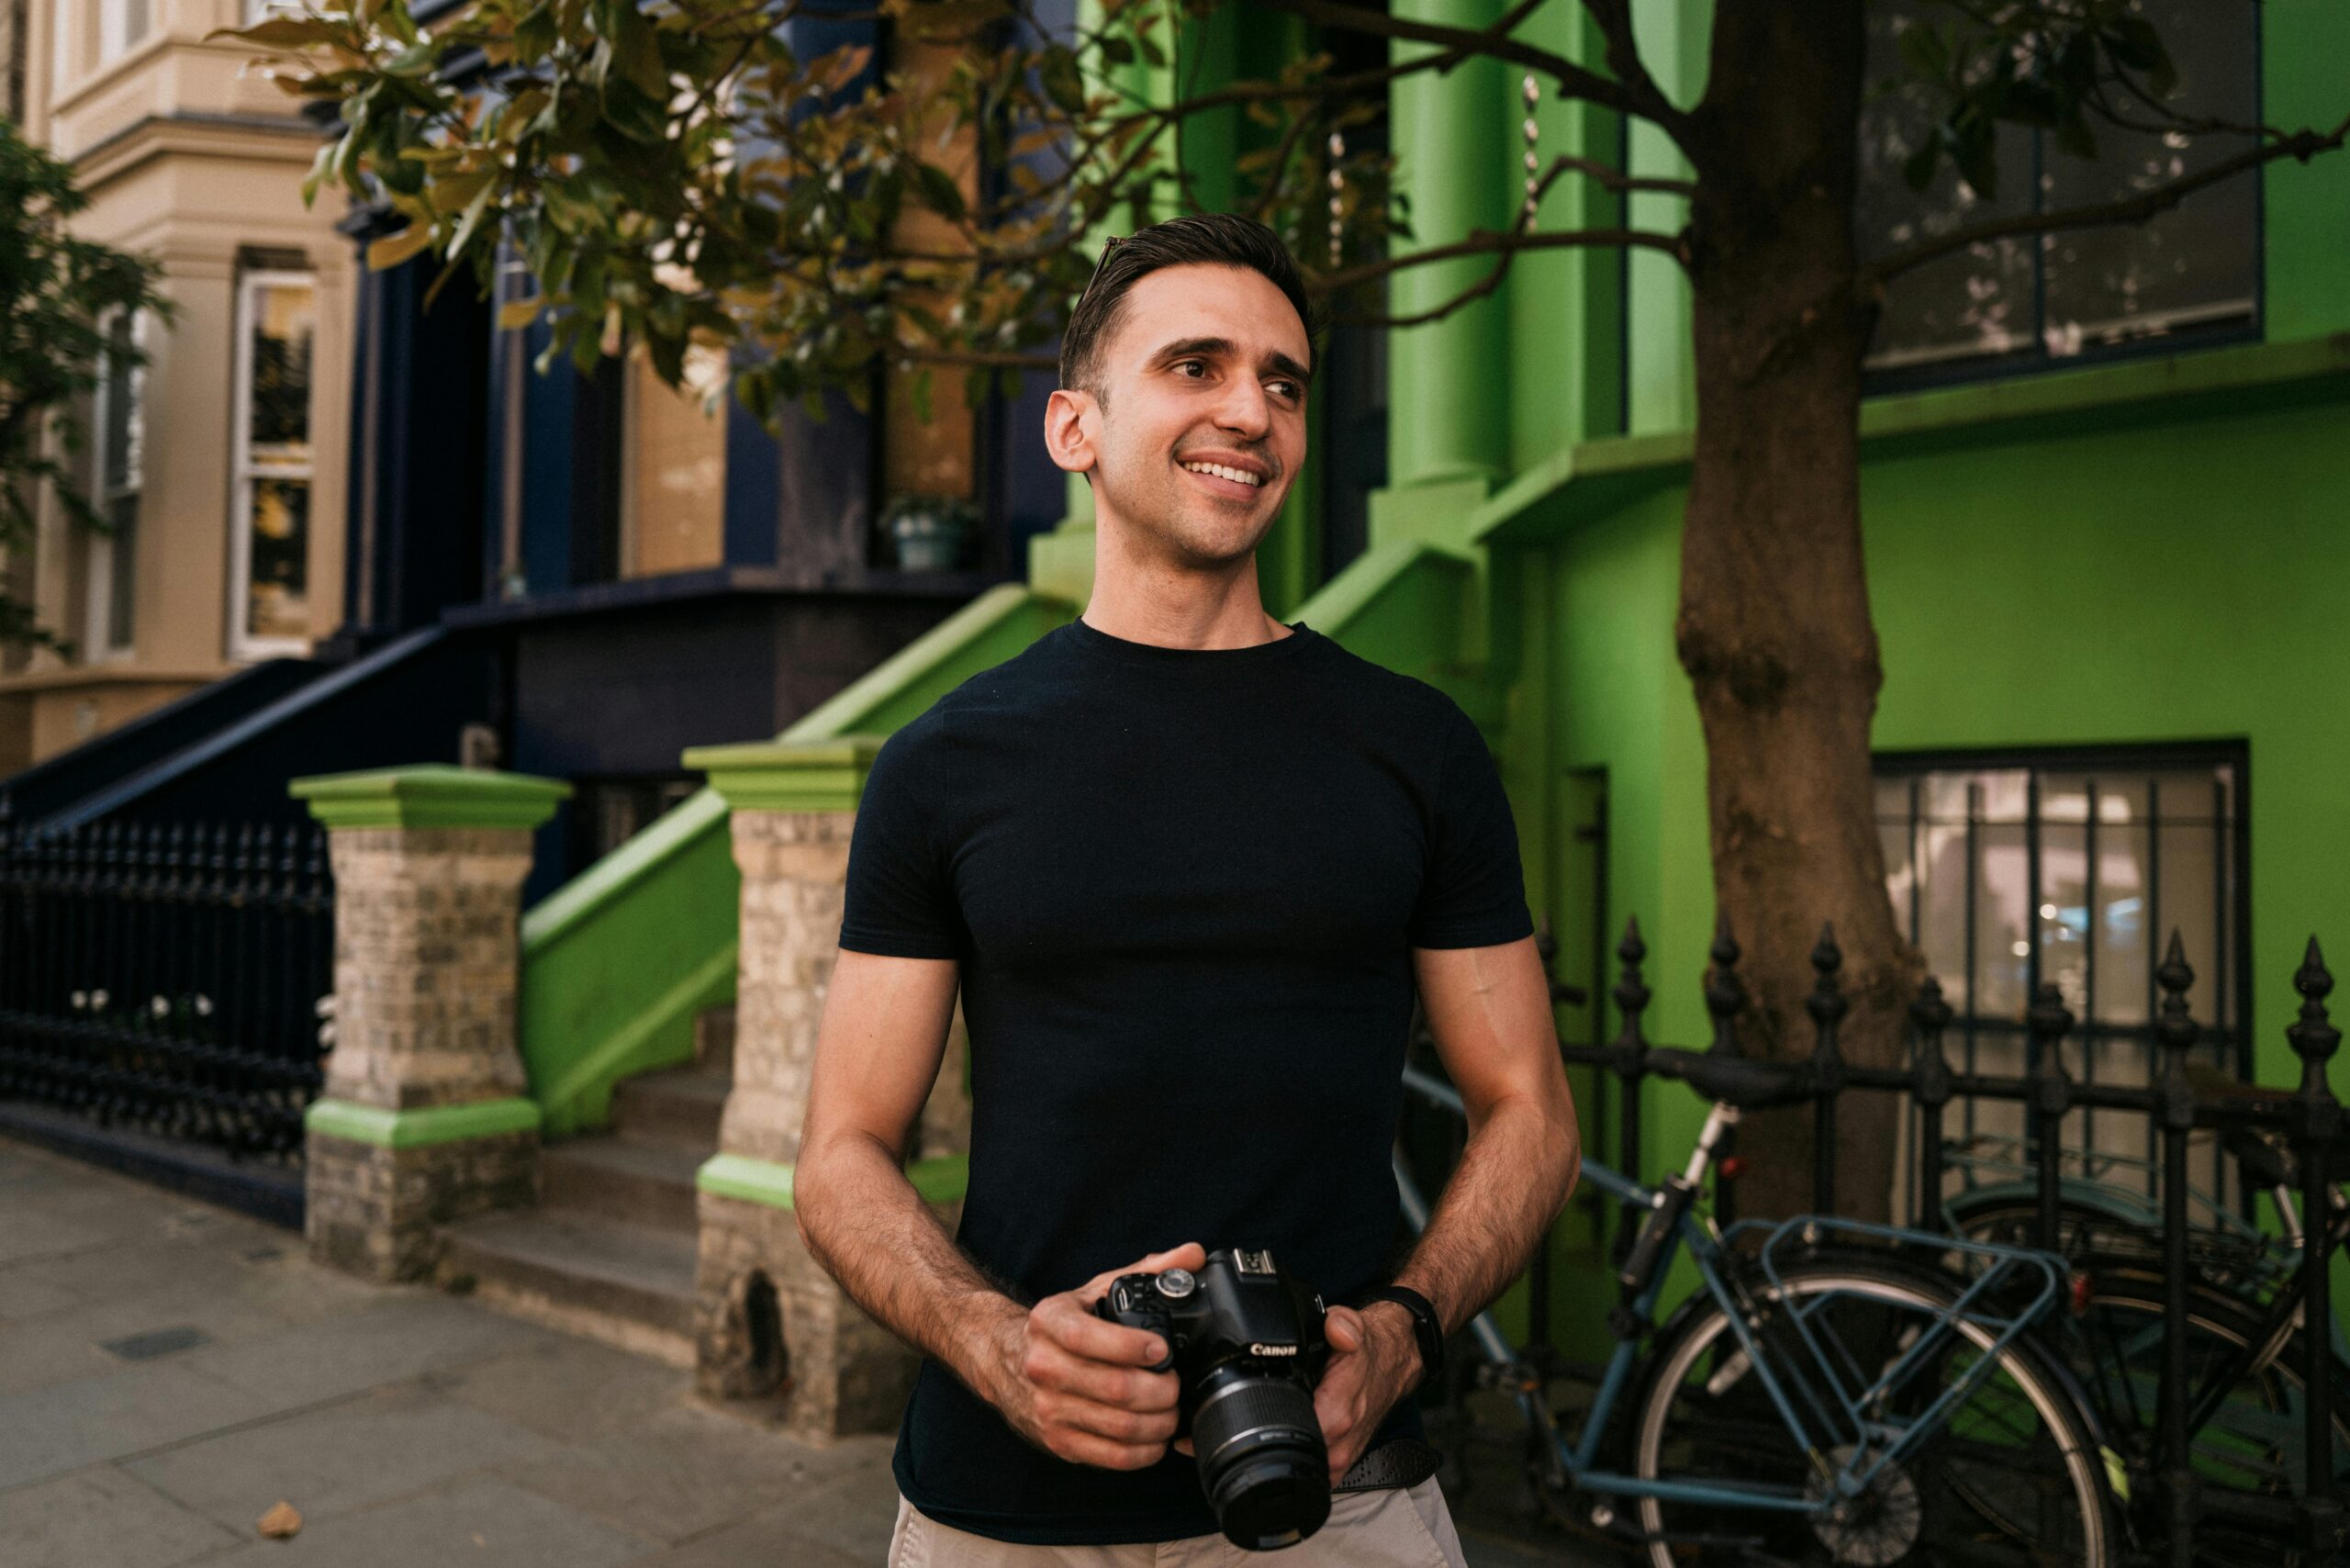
(1238, 476)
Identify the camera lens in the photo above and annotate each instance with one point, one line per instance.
(1262, 1460)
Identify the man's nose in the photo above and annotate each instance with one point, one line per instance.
(1243, 408)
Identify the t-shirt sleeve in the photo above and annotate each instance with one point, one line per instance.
(900, 900)
(1473, 893)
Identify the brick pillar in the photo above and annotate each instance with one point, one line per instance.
(425, 1116)
(773, 1324)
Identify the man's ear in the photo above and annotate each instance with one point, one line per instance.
(1070, 419)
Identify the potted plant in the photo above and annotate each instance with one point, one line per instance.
(929, 534)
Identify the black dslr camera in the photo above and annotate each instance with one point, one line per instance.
(1246, 1342)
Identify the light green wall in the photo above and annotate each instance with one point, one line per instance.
(2173, 582)
(2305, 217)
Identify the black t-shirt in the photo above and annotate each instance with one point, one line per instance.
(1183, 886)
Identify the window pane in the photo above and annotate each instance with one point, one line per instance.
(278, 600)
(2059, 295)
(124, 426)
(2191, 267)
(122, 562)
(1970, 303)
(285, 321)
(676, 467)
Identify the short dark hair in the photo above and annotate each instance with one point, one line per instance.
(1213, 239)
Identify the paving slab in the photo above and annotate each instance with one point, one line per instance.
(48, 1431)
(101, 1516)
(568, 1388)
(32, 1232)
(481, 1523)
(24, 1295)
(70, 1341)
(686, 1472)
(350, 1456)
(404, 1334)
(766, 1540)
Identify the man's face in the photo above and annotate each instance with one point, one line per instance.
(1200, 427)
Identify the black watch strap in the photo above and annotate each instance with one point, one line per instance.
(1426, 1331)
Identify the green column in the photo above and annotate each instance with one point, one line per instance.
(1447, 383)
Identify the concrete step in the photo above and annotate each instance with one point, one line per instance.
(676, 1108)
(626, 1286)
(608, 1178)
(714, 1039)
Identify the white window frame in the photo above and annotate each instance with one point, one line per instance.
(245, 468)
(114, 28)
(98, 645)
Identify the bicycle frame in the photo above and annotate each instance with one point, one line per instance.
(1819, 1408)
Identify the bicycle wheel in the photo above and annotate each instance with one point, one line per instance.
(2087, 1233)
(2251, 1443)
(2011, 1476)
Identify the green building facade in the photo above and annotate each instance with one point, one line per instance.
(2106, 578)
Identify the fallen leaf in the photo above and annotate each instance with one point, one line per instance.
(480, 1540)
(280, 1521)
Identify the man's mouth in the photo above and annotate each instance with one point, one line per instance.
(1223, 471)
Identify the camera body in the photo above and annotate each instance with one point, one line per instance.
(1247, 1345)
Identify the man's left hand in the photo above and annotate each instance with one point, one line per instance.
(1374, 1361)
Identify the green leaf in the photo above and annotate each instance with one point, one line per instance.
(1917, 169)
(1056, 68)
(940, 193)
(2074, 135)
(1924, 51)
(393, 249)
(917, 393)
(636, 49)
(280, 32)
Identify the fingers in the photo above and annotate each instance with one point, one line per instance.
(1049, 1366)
(1067, 1323)
(1344, 1326)
(1191, 1255)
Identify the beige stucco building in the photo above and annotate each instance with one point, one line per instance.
(223, 459)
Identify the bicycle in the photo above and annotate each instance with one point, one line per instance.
(2246, 1354)
(1824, 1399)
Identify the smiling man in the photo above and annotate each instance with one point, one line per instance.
(1188, 866)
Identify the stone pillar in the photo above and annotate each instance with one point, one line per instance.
(773, 1324)
(425, 1117)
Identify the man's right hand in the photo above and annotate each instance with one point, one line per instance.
(1081, 1388)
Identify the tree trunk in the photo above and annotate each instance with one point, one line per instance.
(1773, 626)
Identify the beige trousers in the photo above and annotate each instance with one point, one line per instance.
(1394, 1527)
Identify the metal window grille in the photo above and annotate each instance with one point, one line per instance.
(2009, 869)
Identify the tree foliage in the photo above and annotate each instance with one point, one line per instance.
(673, 171)
(54, 291)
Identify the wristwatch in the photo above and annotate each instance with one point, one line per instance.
(1426, 1332)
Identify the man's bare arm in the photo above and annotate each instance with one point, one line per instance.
(1489, 1009)
(1066, 1381)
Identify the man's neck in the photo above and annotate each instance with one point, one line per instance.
(1146, 599)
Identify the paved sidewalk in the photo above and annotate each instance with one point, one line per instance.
(170, 1370)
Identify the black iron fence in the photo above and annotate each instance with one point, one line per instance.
(173, 979)
(2177, 1507)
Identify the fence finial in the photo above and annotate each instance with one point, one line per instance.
(1631, 992)
(1725, 993)
(1827, 1002)
(2313, 1034)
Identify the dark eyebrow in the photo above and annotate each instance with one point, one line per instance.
(1210, 348)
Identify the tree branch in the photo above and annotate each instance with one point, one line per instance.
(1614, 19)
(1573, 81)
(1495, 242)
(2301, 145)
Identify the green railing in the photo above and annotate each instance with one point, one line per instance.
(618, 962)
